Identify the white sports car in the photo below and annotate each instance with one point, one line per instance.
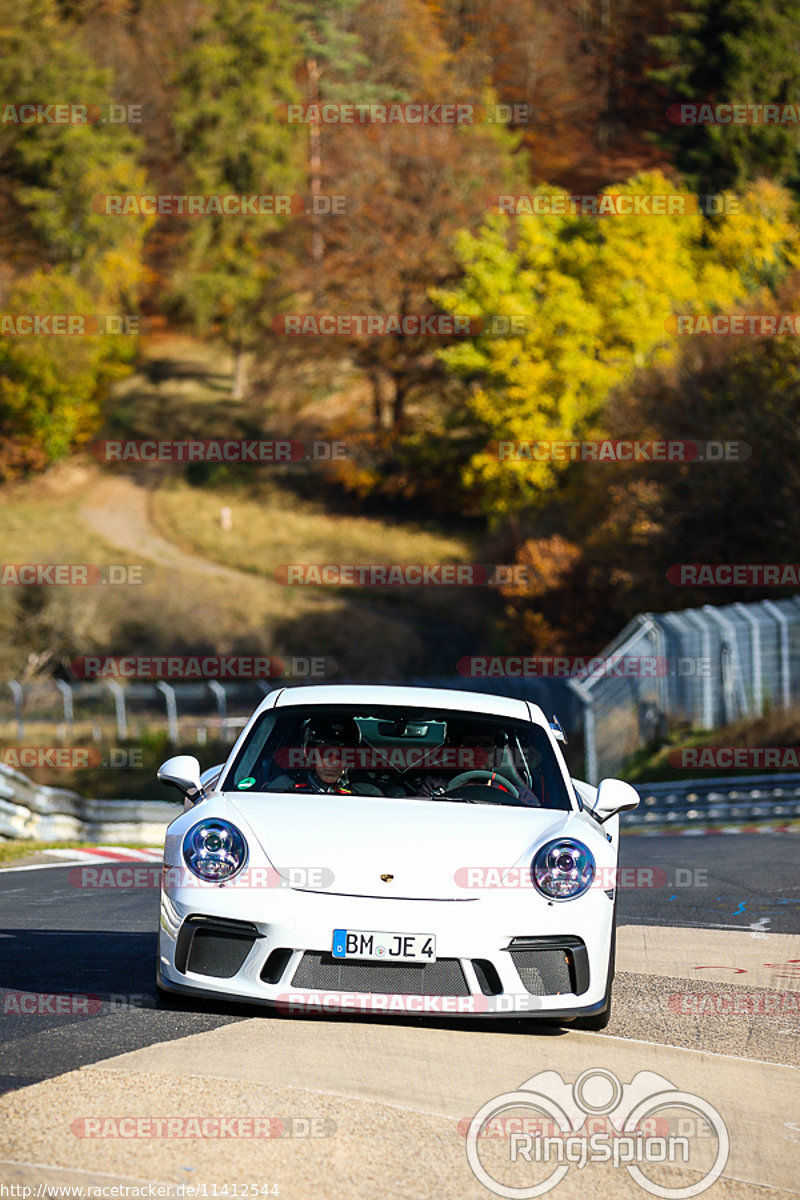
(395, 850)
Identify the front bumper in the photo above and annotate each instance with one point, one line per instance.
(497, 955)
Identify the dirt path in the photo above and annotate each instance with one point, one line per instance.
(118, 509)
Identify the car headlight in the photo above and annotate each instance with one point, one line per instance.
(214, 850)
(563, 869)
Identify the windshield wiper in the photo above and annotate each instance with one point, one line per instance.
(441, 794)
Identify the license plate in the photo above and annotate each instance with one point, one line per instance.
(388, 947)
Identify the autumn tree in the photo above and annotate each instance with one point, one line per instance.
(581, 70)
(409, 188)
(732, 51)
(593, 295)
(240, 69)
(64, 254)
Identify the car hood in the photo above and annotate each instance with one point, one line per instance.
(426, 846)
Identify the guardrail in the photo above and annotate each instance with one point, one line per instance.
(723, 800)
(31, 811)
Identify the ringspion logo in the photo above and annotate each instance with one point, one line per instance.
(548, 1126)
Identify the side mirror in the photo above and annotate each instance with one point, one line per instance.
(182, 772)
(614, 796)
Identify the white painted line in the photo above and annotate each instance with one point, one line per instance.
(14, 1162)
(755, 1062)
(38, 867)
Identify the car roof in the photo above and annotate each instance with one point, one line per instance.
(408, 697)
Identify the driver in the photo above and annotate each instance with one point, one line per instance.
(328, 771)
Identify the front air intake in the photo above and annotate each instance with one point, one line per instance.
(551, 966)
(323, 972)
(214, 947)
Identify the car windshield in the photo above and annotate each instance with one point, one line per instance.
(377, 750)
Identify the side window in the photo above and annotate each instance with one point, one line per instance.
(255, 755)
(548, 779)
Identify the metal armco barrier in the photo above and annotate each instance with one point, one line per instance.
(725, 800)
(28, 810)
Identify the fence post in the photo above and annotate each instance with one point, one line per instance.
(172, 710)
(731, 679)
(589, 731)
(66, 692)
(783, 623)
(696, 619)
(118, 692)
(222, 697)
(755, 642)
(18, 694)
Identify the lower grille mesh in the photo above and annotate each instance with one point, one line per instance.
(324, 972)
(217, 953)
(543, 972)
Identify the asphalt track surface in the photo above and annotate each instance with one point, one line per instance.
(700, 918)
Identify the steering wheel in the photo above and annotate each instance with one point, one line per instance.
(490, 778)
